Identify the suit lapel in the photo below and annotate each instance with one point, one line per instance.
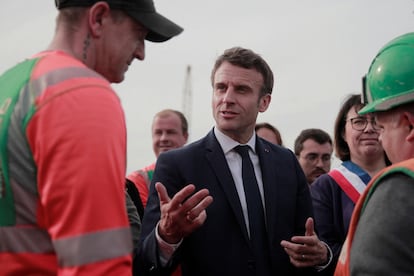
(217, 160)
(269, 169)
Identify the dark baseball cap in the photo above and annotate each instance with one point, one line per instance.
(160, 28)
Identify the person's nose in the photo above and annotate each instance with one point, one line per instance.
(370, 126)
(228, 96)
(320, 163)
(140, 51)
(164, 136)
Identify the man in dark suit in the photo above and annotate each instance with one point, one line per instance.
(198, 213)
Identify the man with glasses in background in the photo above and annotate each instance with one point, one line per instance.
(313, 148)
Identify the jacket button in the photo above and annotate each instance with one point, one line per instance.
(251, 264)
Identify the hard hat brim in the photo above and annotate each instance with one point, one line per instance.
(387, 103)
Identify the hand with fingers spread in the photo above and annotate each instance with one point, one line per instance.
(183, 213)
(237, 167)
(308, 250)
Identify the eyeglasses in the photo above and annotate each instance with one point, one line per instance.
(360, 123)
(314, 157)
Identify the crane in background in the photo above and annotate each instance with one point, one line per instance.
(187, 96)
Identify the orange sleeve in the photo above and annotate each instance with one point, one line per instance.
(78, 140)
(141, 184)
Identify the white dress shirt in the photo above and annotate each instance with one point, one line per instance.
(234, 161)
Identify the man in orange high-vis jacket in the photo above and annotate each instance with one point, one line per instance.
(63, 143)
(379, 240)
(169, 131)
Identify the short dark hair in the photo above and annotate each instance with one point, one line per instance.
(249, 60)
(318, 135)
(71, 17)
(341, 146)
(272, 128)
(184, 123)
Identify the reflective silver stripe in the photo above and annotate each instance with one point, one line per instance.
(37, 86)
(26, 204)
(22, 239)
(21, 163)
(94, 247)
(395, 101)
(22, 168)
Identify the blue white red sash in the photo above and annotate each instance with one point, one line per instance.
(351, 179)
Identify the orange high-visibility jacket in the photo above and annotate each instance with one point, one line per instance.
(142, 180)
(63, 160)
(343, 265)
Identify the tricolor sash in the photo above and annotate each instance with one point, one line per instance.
(351, 178)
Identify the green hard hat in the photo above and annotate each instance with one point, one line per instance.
(390, 78)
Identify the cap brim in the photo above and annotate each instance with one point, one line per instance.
(160, 28)
(387, 103)
(369, 108)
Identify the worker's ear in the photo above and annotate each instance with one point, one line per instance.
(408, 118)
(264, 102)
(98, 15)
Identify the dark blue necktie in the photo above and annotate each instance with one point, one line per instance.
(257, 228)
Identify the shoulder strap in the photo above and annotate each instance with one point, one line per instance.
(134, 194)
(12, 83)
(350, 183)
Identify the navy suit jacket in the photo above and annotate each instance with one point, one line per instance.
(221, 245)
(333, 210)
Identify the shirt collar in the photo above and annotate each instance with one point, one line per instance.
(227, 144)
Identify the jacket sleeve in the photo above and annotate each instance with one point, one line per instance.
(329, 217)
(382, 243)
(148, 259)
(78, 140)
(134, 220)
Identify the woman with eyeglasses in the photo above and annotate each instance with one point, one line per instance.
(335, 194)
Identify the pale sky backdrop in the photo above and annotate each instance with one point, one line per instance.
(318, 50)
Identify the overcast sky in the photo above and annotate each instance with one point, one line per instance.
(318, 50)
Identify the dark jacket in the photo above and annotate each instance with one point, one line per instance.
(221, 245)
(333, 210)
